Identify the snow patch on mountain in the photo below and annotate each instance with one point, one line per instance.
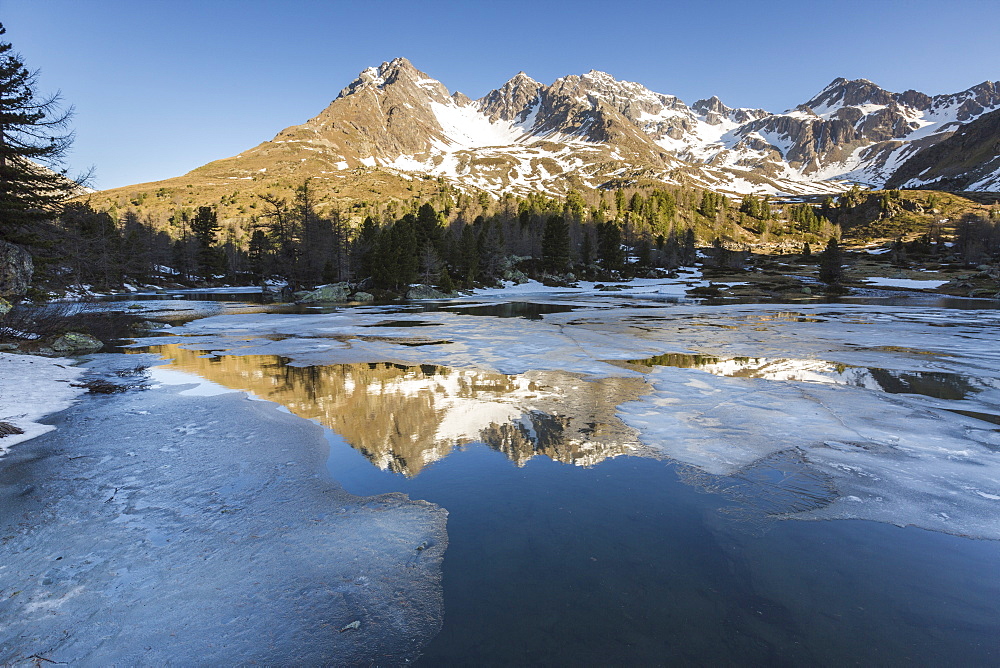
(465, 127)
(989, 182)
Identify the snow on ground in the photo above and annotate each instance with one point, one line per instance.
(240, 289)
(668, 287)
(32, 387)
(904, 282)
(167, 294)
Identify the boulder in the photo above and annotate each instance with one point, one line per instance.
(363, 297)
(335, 292)
(557, 281)
(16, 268)
(5, 307)
(75, 342)
(421, 291)
(516, 276)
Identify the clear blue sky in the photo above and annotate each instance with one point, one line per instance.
(163, 87)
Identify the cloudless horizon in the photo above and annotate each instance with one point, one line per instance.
(161, 88)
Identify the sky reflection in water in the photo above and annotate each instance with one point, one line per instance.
(573, 543)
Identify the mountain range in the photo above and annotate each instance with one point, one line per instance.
(593, 131)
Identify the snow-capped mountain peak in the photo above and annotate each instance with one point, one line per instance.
(591, 130)
(844, 93)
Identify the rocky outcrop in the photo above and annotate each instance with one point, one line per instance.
(512, 101)
(420, 291)
(335, 292)
(16, 268)
(75, 342)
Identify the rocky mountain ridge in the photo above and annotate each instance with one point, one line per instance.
(594, 131)
(967, 160)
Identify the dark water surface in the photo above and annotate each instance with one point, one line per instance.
(624, 564)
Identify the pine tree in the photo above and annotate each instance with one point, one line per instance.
(831, 264)
(765, 208)
(689, 253)
(668, 206)
(609, 246)
(575, 206)
(363, 248)
(643, 253)
(284, 230)
(490, 242)
(586, 248)
(672, 252)
(91, 239)
(619, 203)
(555, 245)
(709, 204)
(316, 242)
(181, 254)
(204, 227)
(32, 134)
(635, 204)
(258, 251)
(445, 284)
(827, 209)
(394, 258)
(428, 227)
(135, 249)
(469, 257)
(430, 265)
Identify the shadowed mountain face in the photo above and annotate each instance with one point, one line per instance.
(396, 123)
(967, 160)
(404, 418)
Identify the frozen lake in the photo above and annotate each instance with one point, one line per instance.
(632, 481)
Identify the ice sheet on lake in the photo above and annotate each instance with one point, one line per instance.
(899, 458)
(672, 287)
(158, 529)
(892, 457)
(914, 283)
(512, 345)
(32, 387)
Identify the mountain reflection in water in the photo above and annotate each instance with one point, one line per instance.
(403, 418)
(935, 384)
